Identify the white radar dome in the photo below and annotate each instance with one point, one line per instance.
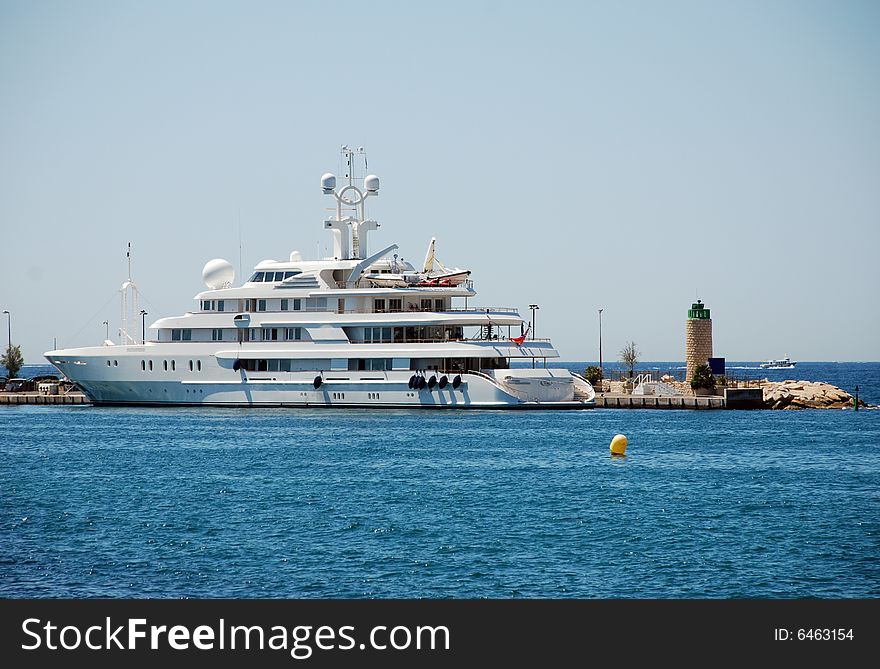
(371, 183)
(218, 273)
(328, 182)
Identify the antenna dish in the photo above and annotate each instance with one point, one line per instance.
(295, 256)
(328, 183)
(371, 183)
(218, 273)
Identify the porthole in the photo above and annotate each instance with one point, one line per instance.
(116, 363)
(165, 365)
(199, 365)
(173, 366)
(151, 365)
(190, 365)
(108, 363)
(143, 365)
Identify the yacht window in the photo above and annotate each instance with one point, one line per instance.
(261, 305)
(270, 334)
(220, 305)
(173, 366)
(279, 276)
(395, 304)
(216, 334)
(165, 365)
(274, 365)
(287, 275)
(199, 365)
(297, 305)
(438, 305)
(151, 365)
(284, 365)
(257, 277)
(371, 364)
(262, 365)
(285, 305)
(378, 305)
(293, 334)
(175, 335)
(377, 335)
(187, 335)
(426, 305)
(143, 365)
(190, 365)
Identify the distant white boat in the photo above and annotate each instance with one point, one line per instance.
(784, 363)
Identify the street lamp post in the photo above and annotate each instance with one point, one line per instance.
(534, 308)
(600, 341)
(8, 328)
(143, 326)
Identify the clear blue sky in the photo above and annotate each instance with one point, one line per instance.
(624, 155)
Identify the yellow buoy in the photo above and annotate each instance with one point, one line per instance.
(618, 445)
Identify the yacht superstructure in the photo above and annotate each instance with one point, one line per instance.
(355, 329)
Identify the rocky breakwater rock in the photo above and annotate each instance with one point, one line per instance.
(806, 395)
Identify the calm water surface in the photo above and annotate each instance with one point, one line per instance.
(310, 503)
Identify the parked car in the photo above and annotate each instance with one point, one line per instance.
(19, 385)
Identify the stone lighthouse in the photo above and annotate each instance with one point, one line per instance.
(697, 338)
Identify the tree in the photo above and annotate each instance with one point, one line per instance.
(629, 356)
(12, 361)
(594, 375)
(703, 378)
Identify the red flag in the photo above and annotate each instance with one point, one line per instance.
(519, 340)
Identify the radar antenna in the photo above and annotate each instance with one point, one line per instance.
(350, 208)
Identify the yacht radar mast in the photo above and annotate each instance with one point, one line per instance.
(350, 200)
(129, 306)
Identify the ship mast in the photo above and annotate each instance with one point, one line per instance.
(129, 298)
(351, 221)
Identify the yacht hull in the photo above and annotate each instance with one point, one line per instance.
(129, 381)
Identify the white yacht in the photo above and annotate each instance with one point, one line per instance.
(356, 329)
(782, 363)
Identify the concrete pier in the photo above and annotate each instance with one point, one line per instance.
(7, 399)
(603, 401)
(626, 401)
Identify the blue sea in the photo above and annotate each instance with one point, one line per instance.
(116, 502)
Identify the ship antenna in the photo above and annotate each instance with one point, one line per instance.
(128, 256)
(350, 209)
